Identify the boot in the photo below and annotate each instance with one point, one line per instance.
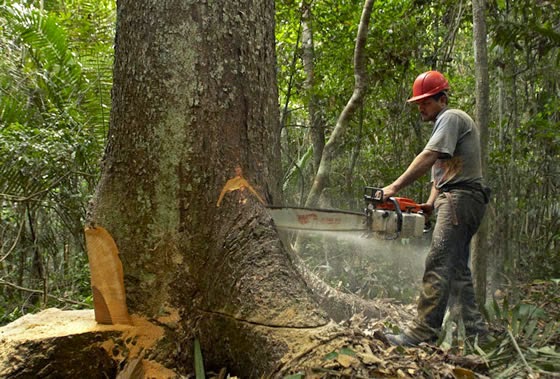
(406, 339)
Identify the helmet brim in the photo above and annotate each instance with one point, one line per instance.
(443, 87)
(414, 99)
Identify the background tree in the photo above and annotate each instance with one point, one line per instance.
(316, 121)
(480, 243)
(525, 235)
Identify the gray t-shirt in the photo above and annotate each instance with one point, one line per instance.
(456, 137)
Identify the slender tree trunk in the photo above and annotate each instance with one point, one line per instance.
(317, 128)
(356, 149)
(37, 266)
(480, 242)
(332, 145)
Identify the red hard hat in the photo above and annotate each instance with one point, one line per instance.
(428, 84)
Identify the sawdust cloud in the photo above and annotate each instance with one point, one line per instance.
(400, 260)
(373, 247)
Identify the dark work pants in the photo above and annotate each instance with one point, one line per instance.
(459, 214)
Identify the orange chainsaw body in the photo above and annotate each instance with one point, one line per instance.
(406, 205)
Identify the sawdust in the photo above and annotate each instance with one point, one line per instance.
(155, 370)
(144, 333)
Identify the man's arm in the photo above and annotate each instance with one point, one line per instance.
(419, 166)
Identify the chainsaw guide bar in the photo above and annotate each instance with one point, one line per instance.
(391, 219)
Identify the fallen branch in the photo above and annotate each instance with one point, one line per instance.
(516, 346)
(13, 245)
(30, 290)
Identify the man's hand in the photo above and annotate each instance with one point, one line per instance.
(388, 192)
(419, 166)
(427, 209)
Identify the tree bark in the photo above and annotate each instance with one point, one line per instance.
(480, 241)
(194, 120)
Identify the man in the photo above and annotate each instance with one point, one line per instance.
(459, 196)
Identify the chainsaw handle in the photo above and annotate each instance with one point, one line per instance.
(398, 210)
(373, 195)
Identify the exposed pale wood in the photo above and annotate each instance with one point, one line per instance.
(107, 278)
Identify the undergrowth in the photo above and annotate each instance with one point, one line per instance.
(524, 322)
(526, 336)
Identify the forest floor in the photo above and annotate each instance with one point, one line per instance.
(373, 357)
(524, 320)
(349, 359)
(526, 343)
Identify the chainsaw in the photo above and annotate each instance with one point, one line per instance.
(396, 217)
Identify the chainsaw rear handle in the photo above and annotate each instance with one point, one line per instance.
(373, 195)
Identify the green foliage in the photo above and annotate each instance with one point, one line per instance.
(527, 343)
(55, 87)
(298, 375)
(342, 351)
(524, 155)
(406, 38)
(9, 314)
(55, 80)
(198, 361)
(402, 42)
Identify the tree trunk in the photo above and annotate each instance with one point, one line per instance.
(332, 145)
(480, 241)
(316, 123)
(195, 97)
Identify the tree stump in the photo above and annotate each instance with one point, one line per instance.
(70, 344)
